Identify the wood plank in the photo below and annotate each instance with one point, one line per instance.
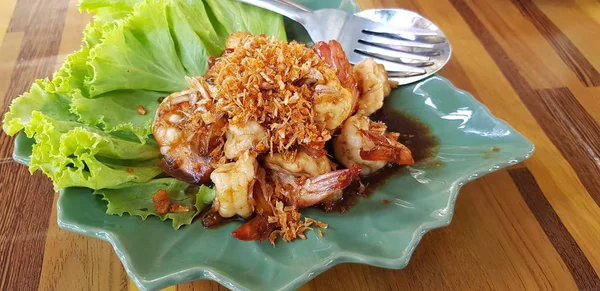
(132, 287)
(577, 26)
(581, 269)
(568, 52)
(591, 8)
(9, 51)
(493, 243)
(562, 187)
(39, 47)
(201, 285)
(6, 10)
(588, 97)
(72, 34)
(21, 15)
(24, 218)
(370, 4)
(74, 262)
(573, 131)
(529, 50)
(40, 44)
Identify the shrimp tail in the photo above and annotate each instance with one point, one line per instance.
(318, 188)
(257, 228)
(262, 193)
(333, 54)
(314, 150)
(386, 149)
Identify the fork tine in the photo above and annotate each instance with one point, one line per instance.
(393, 59)
(391, 53)
(403, 74)
(405, 30)
(422, 35)
(380, 40)
(393, 68)
(425, 49)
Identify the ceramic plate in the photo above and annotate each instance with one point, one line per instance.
(472, 143)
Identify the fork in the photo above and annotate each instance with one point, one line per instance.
(407, 53)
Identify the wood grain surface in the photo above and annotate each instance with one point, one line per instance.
(534, 226)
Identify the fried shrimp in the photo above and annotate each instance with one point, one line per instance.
(298, 164)
(234, 183)
(250, 136)
(304, 192)
(257, 123)
(335, 100)
(190, 146)
(274, 83)
(333, 54)
(366, 143)
(373, 84)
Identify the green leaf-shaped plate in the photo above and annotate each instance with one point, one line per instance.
(155, 255)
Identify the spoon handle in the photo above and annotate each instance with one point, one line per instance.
(286, 8)
(292, 3)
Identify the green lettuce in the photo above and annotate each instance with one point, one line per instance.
(37, 99)
(71, 74)
(94, 31)
(137, 54)
(235, 16)
(84, 121)
(109, 10)
(136, 199)
(74, 155)
(196, 15)
(193, 50)
(116, 111)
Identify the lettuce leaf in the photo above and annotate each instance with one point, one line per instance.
(235, 16)
(160, 42)
(136, 199)
(195, 13)
(138, 54)
(37, 99)
(94, 31)
(84, 122)
(74, 155)
(192, 50)
(109, 10)
(116, 111)
(71, 75)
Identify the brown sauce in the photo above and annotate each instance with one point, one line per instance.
(415, 134)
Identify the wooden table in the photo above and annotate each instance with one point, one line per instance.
(534, 226)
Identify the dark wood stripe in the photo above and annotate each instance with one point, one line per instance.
(500, 57)
(40, 45)
(24, 217)
(582, 271)
(568, 52)
(559, 236)
(22, 15)
(566, 131)
(27, 203)
(573, 131)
